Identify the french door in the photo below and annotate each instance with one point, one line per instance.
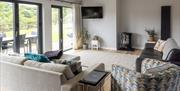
(21, 27)
(62, 30)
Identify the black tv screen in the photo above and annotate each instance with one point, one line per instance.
(92, 12)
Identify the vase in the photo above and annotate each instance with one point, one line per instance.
(151, 38)
(85, 46)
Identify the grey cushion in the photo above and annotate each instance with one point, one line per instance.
(151, 53)
(157, 69)
(170, 44)
(59, 68)
(52, 67)
(33, 64)
(13, 59)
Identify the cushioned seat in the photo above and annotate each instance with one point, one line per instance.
(151, 53)
(165, 55)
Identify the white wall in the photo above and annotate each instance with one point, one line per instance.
(105, 28)
(176, 21)
(47, 27)
(136, 15)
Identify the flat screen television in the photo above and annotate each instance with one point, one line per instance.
(92, 12)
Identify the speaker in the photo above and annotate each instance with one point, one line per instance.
(165, 22)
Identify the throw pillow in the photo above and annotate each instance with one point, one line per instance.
(65, 69)
(164, 67)
(37, 57)
(60, 68)
(170, 44)
(173, 56)
(12, 59)
(31, 63)
(54, 54)
(160, 45)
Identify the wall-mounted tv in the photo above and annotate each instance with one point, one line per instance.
(92, 12)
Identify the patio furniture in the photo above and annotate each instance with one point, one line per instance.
(11, 39)
(23, 42)
(6, 45)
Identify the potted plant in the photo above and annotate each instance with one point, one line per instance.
(151, 33)
(85, 39)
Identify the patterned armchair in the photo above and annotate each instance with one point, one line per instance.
(156, 77)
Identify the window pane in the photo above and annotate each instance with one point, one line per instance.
(6, 26)
(28, 19)
(55, 29)
(67, 28)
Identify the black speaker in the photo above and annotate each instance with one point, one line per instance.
(165, 22)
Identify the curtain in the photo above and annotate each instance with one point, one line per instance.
(77, 22)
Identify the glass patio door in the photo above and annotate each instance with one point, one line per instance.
(62, 31)
(21, 26)
(56, 28)
(67, 28)
(6, 26)
(28, 30)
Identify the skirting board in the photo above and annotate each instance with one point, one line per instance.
(106, 48)
(115, 49)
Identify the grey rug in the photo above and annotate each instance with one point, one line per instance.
(91, 57)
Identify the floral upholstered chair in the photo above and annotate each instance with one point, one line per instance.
(157, 76)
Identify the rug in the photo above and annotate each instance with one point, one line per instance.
(91, 57)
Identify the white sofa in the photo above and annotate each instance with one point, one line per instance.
(15, 76)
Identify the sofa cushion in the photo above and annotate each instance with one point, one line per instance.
(54, 54)
(32, 63)
(76, 67)
(161, 68)
(51, 67)
(170, 44)
(174, 56)
(59, 68)
(150, 63)
(159, 45)
(151, 53)
(13, 59)
(37, 57)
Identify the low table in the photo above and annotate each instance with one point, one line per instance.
(96, 81)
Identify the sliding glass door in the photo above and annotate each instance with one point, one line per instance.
(56, 28)
(67, 28)
(6, 26)
(28, 22)
(21, 26)
(62, 33)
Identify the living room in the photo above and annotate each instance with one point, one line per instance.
(86, 45)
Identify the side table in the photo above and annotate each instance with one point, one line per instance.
(95, 44)
(103, 85)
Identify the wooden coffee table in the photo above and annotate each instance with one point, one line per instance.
(103, 83)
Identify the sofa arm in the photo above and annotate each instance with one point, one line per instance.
(173, 56)
(149, 45)
(128, 80)
(148, 63)
(138, 63)
(72, 84)
(124, 79)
